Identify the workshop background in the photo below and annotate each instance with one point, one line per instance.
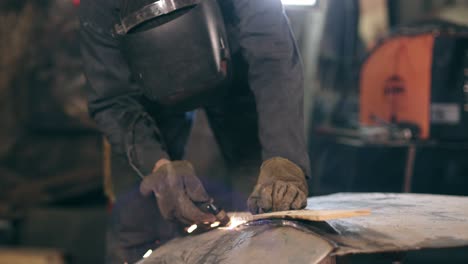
(54, 165)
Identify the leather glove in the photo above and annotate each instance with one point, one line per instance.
(281, 186)
(177, 189)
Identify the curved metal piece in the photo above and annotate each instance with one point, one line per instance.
(275, 241)
(315, 228)
(153, 10)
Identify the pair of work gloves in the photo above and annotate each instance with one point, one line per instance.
(281, 186)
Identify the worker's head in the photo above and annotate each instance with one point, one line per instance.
(177, 49)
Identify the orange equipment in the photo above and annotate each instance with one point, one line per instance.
(419, 76)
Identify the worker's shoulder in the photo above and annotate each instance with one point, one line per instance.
(101, 13)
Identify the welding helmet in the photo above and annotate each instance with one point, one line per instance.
(177, 50)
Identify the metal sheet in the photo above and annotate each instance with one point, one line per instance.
(399, 222)
(263, 243)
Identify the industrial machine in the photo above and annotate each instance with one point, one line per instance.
(418, 78)
(406, 128)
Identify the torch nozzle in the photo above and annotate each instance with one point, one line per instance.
(220, 214)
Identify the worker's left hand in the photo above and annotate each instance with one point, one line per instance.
(281, 186)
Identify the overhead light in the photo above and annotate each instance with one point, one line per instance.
(299, 2)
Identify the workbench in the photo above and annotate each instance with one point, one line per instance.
(347, 160)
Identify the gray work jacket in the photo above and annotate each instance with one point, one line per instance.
(258, 29)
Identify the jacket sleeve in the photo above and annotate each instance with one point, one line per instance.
(113, 102)
(275, 77)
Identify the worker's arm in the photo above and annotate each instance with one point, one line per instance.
(113, 101)
(275, 77)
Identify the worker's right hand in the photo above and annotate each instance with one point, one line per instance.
(177, 189)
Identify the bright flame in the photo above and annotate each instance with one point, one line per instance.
(148, 253)
(192, 228)
(234, 222)
(215, 224)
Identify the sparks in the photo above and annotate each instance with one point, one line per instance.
(235, 222)
(148, 253)
(215, 224)
(192, 228)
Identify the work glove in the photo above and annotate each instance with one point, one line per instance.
(281, 186)
(177, 189)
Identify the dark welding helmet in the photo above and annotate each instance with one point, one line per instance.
(177, 51)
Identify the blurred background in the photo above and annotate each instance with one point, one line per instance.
(386, 106)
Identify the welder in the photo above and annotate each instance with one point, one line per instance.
(149, 63)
